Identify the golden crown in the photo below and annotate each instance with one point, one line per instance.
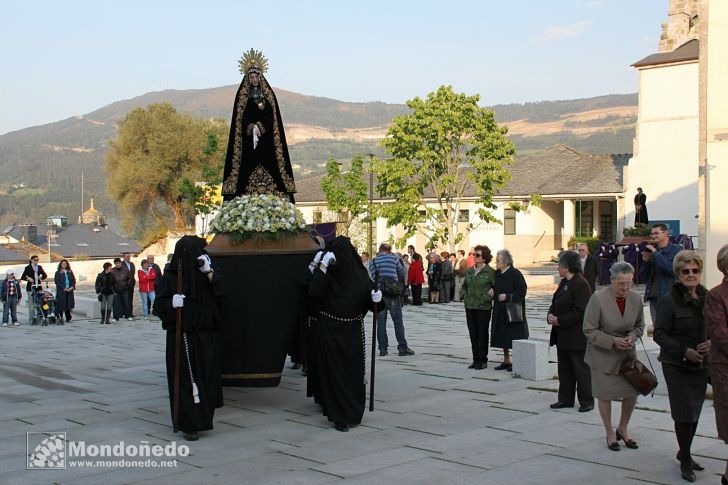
(253, 59)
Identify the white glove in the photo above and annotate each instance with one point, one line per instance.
(178, 301)
(376, 296)
(205, 267)
(328, 259)
(316, 260)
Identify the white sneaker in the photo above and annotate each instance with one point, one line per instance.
(146, 318)
(130, 319)
(5, 324)
(17, 324)
(116, 320)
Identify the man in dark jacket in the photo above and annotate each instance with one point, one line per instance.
(130, 290)
(657, 267)
(122, 305)
(589, 266)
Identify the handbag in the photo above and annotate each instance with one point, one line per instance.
(514, 312)
(391, 287)
(638, 375)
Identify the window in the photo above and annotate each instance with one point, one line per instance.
(509, 222)
(422, 216)
(584, 218)
(464, 215)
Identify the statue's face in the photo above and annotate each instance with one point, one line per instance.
(254, 79)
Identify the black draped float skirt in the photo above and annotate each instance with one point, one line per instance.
(204, 351)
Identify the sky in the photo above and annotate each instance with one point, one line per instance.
(64, 58)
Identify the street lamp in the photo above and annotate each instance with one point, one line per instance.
(50, 235)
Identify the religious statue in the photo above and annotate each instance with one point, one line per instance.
(640, 209)
(257, 160)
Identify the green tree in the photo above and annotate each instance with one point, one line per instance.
(152, 161)
(446, 150)
(346, 194)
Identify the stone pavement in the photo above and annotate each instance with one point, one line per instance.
(435, 421)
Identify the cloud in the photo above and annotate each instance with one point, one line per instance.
(557, 32)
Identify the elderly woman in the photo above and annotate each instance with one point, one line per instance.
(566, 317)
(716, 317)
(509, 287)
(613, 321)
(434, 271)
(477, 293)
(681, 333)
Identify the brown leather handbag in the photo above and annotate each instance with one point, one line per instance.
(638, 374)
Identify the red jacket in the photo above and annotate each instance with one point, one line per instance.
(146, 281)
(415, 275)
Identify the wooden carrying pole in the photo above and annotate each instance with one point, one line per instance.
(374, 346)
(177, 350)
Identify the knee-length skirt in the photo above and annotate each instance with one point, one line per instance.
(610, 387)
(686, 391)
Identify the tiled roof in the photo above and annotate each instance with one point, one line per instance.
(555, 171)
(8, 256)
(689, 51)
(83, 239)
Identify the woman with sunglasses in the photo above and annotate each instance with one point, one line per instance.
(477, 293)
(681, 333)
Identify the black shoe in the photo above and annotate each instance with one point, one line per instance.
(481, 366)
(504, 366)
(510, 368)
(192, 436)
(696, 466)
(630, 443)
(723, 480)
(585, 408)
(382, 353)
(343, 427)
(406, 351)
(561, 405)
(472, 365)
(614, 445)
(687, 472)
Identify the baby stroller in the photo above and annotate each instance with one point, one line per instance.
(44, 307)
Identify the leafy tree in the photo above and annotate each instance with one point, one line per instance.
(446, 149)
(346, 194)
(152, 161)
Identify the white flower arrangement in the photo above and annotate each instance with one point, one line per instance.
(258, 216)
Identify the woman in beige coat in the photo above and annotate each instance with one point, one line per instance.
(613, 321)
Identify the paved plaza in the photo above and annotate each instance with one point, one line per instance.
(435, 420)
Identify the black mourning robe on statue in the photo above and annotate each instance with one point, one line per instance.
(336, 363)
(640, 209)
(265, 169)
(201, 323)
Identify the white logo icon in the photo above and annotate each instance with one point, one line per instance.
(49, 453)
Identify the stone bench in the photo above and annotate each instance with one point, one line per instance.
(531, 360)
(87, 306)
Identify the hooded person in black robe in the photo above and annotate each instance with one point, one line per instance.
(200, 378)
(343, 293)
(257, 160)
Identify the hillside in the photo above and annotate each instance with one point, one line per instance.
(49, 158)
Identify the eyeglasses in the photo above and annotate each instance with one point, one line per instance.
(478, 255)
(655, 233)
(687, 271)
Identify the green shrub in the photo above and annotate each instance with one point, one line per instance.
(637, 231)
(592, 242)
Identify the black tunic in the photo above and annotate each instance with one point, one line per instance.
(513, 284)
(201, 323)
(336, 357)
